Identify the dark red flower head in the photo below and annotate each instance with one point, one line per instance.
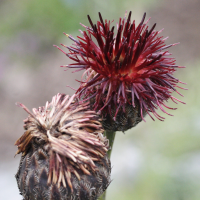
(129, 67)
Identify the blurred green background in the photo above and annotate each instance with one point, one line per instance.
(153, 161)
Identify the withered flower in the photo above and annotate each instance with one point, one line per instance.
(127, 75)
(63, 152)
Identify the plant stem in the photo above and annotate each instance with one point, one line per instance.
(111, 137)
(103, 196)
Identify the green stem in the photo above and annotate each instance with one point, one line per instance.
(103, 196)
(111, 137)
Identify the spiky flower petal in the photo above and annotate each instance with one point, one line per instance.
(63, 152)
(129, 68)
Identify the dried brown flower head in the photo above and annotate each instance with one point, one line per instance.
(63, 152)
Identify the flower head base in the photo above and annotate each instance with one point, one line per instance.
(63, 152)
(129, 68)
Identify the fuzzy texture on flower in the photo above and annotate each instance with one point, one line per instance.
(132, 66)
(63, 152)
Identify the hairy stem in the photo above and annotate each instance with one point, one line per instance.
(111, 136)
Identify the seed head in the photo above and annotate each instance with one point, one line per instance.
(63, 152)
(131, 69)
